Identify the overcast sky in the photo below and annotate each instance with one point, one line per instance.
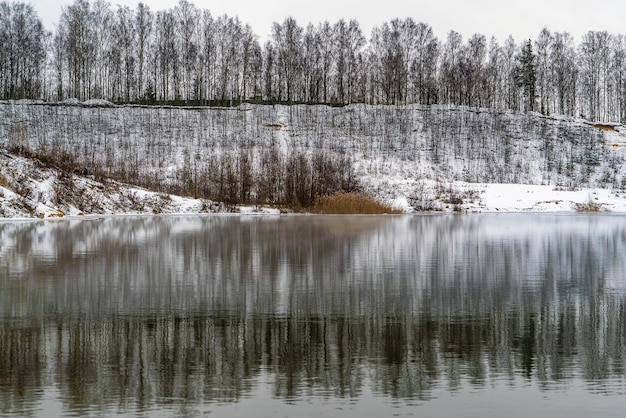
(500, 18)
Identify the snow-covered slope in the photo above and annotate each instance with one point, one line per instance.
(28, 189)
(419, 157)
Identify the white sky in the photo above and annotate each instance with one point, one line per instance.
(500, 18)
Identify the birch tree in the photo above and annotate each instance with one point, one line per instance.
(143, 29)
(288, 40)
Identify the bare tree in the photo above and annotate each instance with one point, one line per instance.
(143, 29)
(229, 32)
(349, 43)
(188, 21)
(543, 64)
(288, 40)
(123, 50)
(166, 56)
(449, 74)
(493, 84)
(509, 66)
(102, 25)
(594, 59)
(78, 49)
(311, 64)
(22, 53)
(251, 64)
(208, 59)
(392, 61)
(564, 73)
(618, 79)
(424, 64)
(474, 70)
(326, 56)
(269, 70)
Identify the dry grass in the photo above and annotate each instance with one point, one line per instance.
(4, 182)
(276, 126)
(605, 127)
(351, 203)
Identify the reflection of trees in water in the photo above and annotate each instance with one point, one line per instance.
(134, 362)
(22, 364)
(132, 312)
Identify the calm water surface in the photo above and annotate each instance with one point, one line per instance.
(481, 315)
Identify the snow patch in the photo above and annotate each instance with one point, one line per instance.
(30, 191)
(97, 103)
(70, 102)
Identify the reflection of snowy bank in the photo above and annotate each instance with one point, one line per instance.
(310, 265)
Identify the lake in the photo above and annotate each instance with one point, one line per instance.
(364, 316)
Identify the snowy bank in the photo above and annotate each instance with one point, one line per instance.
(30, 190)
(418, 158)
(463, 197)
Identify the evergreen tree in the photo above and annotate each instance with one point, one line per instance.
(527, 75)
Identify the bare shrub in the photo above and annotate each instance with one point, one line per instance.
(4, 182)
(589, 206)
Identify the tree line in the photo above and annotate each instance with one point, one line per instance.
(187, 55)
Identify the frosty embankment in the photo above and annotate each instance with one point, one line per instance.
(417, 158)
(28, 190)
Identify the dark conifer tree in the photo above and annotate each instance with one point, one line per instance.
(527, 75)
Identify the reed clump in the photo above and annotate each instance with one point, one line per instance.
(351, 203)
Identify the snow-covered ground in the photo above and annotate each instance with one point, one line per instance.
(438, 158)
(28, 190)
(497, 197)
(521, 197)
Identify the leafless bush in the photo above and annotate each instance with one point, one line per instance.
(589, 206)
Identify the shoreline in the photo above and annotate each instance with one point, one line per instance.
(31, 192)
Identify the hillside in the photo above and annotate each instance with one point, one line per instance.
(420, 157)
